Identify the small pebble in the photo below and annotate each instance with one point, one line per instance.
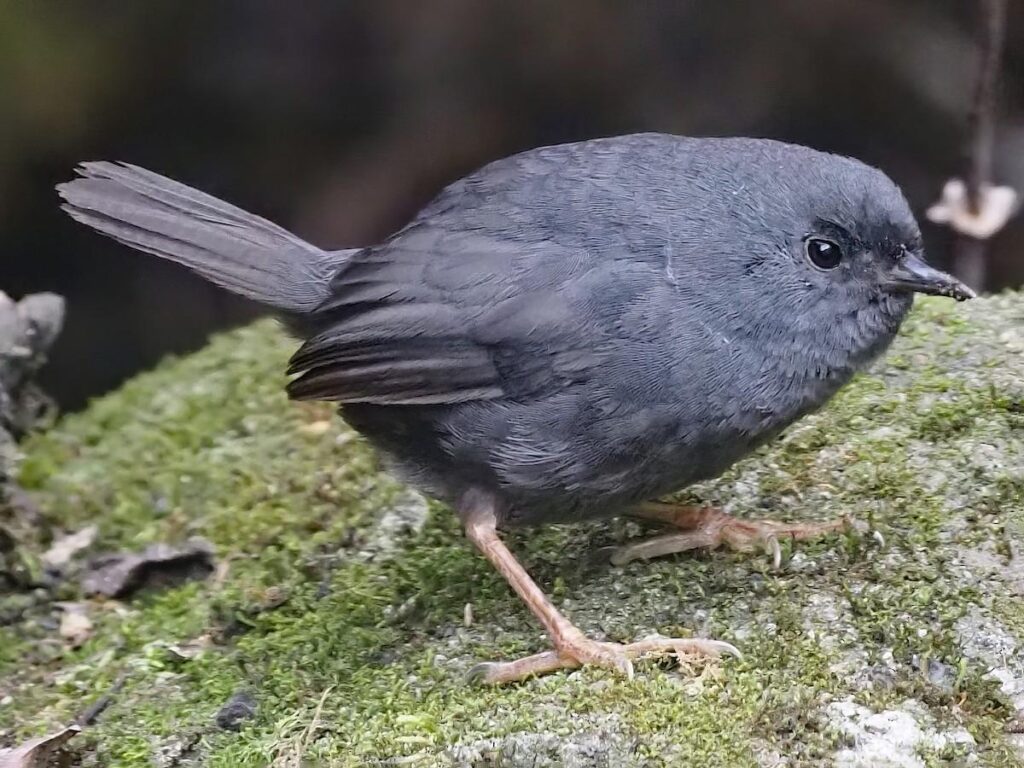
(236, 710)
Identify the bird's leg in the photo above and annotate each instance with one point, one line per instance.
(572, 647)
(709, 527)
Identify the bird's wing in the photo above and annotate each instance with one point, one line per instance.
(436, 317)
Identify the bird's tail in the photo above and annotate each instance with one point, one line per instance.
(228, 246)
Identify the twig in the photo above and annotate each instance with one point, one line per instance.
(314, 724)
(969, 261)
(94, 710)
(291, 755)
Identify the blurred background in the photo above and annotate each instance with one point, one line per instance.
(338, 119)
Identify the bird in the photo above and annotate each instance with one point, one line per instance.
(573, 332)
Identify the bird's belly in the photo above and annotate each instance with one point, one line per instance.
(570, 460)
(689, 447)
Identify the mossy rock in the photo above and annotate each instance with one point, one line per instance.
(339, 602)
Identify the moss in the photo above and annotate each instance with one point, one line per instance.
(308, 616)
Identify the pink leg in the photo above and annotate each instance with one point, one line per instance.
(709, 527)
(572, 647)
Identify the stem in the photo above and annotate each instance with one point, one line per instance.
(969, 261)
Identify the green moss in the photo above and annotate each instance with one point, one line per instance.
(303, 615)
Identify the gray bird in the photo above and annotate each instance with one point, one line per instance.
(573, 331)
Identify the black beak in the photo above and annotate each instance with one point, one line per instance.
(912, 274)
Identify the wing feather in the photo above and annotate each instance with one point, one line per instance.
(434, 318)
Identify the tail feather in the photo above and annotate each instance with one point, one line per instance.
(228, 246)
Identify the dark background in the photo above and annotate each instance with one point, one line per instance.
(338, 119)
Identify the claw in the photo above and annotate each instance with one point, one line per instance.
(709, 527)
(479, 673)
(691, 646)
(590, 653)
(721, 647)
(624, 666)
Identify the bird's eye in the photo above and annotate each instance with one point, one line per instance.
(824, 254)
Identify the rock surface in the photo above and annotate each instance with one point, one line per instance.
(340, 599)
(28, 328)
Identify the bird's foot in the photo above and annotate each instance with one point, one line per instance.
(709, 527)
(578, 650)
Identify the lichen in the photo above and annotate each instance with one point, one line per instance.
(356, 651)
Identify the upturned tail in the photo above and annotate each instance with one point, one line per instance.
(235, 249)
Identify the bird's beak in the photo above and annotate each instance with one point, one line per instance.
(911, 273)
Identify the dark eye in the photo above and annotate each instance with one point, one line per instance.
(824, 254)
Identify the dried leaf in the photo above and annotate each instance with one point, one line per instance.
(38, 753)
(119, 574)
(188, 651)
(996, 205)
(66, 547)
(316, 428)
(75, 624)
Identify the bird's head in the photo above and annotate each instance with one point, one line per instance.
(823, 248)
